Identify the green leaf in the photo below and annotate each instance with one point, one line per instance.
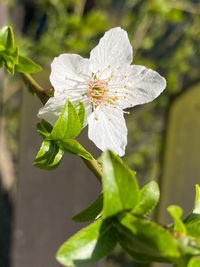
(74, 147)
(3, 35)
(176, 212)
(192, 224)
(49, 156)
(10, 58)
(144, 240)
(91, 212)
(149, 197)
(68, 124)
(120, 187)
(80, 109)
(197, 200)
(44, 129)
(26, 65)
(88, 245)
(194, 262)
(10, 38)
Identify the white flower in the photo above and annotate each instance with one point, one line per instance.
(106, 83)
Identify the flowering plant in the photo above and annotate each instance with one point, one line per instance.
(95, 91)
(106, 83)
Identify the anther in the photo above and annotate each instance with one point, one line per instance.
(131, 105)
(125, 97)
(125, 76)
(96, 119)
(109, 119)
(125, 86)
(109, 66)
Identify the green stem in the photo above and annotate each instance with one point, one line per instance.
(34, 87)
(94, 166)
(43, 95)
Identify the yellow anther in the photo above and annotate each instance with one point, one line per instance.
(116, 97)
(96, 119)
(132, 88)
(116, 92)
(98, 71)
(125, 97)
(131, 105)
(109, 66)
(125, 86)
(109, 119)
(126, 93)
(125, 76)
(105, 105)
(128, 112)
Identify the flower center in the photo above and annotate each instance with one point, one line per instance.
(97, 91)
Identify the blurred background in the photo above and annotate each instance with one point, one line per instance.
(36, 206)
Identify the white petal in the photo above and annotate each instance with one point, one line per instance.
(69, 71)
(52, 109)
(114, 49)
(143, 85)
(106, 133)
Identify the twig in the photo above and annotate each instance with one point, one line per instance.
(94, 166)
(34, 87)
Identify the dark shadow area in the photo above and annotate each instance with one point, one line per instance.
(6, 217)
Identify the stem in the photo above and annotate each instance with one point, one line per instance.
(34, 87)
(43, 95)
(94, 166)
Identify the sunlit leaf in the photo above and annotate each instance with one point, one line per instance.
(176, 212)
(120, 187)
(68, 124)
(49, 156)
(149, 197)
(26, 65)
(91, 212)
(88, 245)
(74, 147)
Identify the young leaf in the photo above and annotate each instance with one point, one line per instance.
(68, 124)
(10, 38)
(26, 65)
(197, 200)
(10, 58)
(192, 224)
(44, 129)
(49, 156)
(3, 35)
(74, 147)
(149, 197)
(144, 240)
(194, 262)
(88, 245)
(91, 212)
(176, 213)
(120, 187)
(80, 109)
